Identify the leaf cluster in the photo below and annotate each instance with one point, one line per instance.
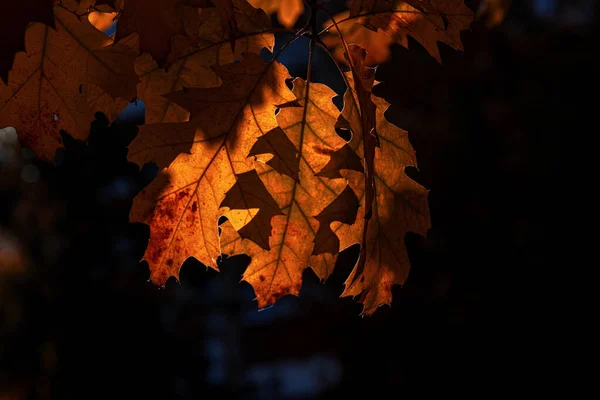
(230, 137)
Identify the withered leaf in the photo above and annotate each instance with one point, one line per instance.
(182, 205)
(399, 204)
(42, 95)
(427, 21)
(308, 201)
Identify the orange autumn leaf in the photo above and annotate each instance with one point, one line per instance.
(182, 205)
(44, 90)
(427, 21)
(399, 204)
(191, 66)
(288, 11)
(301, 236)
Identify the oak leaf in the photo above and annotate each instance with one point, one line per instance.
(183, 204)
(287, 11)
(301, 237)
(399, 204)
(44, 90)
(427, 21)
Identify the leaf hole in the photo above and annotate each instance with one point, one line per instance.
(344, 133)
(277, 111)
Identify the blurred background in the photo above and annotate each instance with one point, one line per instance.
(79, 319)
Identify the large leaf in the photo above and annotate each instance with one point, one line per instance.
(44, 93)
(399, 204)
(182, 205)
(301, 237)
(428, 21)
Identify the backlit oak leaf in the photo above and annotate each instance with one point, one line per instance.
(427, 21)
(44, 95)
(399, 203)
(310, 203)
(287, 11)
(182, 205)
(192, 67)
(16, 15)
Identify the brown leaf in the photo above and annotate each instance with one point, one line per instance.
(16, 16)
(427, 21)
(208, 46)
(399, 206)
(306, 201)
(43, 92)
(182, 205)
(287, 11)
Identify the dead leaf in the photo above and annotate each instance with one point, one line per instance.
(16, 16)
(43, 92)
(182, 205)
(287, 11)
(399, 206)
(310, 203)
(427, 21)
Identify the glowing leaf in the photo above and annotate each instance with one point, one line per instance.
(44, 90)
(310, 203)
(182, 205)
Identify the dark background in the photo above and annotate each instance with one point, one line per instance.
(81, 320)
